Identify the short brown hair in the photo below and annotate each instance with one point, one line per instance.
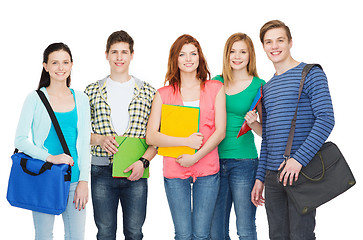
(120, 36)
(251, 66)
(274, 24)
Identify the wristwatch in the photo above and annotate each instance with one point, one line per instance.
(145, 162)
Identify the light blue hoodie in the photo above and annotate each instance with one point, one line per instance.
(34, 118)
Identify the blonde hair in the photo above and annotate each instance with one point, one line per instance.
(251, 66)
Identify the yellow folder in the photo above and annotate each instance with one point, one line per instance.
(178, 121)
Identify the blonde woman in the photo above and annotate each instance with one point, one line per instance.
(238, 156)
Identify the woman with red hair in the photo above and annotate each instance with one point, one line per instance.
(194, 175)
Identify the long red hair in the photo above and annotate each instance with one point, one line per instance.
(173, 74)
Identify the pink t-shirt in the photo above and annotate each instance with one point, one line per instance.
(209, 164)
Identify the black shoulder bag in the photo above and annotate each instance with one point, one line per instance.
(326, 176)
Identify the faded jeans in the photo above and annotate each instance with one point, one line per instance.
(73, 219)
(192, 205)
(237, 180)
(107, 193)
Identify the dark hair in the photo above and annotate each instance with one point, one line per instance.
(45, 77)
(120, 36)
(173, 73)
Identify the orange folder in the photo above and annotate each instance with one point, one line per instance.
(178, 121)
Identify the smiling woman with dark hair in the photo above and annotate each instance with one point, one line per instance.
(72, 111)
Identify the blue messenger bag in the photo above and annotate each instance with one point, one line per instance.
(37, 185)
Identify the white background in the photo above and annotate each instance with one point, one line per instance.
(325, 32)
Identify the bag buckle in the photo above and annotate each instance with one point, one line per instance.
(286, 157)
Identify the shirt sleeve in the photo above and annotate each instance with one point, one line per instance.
(84, 131)
(22, 141)
(316, 87)
(261, 170)
(88, 91)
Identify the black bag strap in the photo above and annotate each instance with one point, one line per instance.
(46, 166)
(54, 121)
(305, 72)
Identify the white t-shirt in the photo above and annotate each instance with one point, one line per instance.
(119, 96)
(191, 103)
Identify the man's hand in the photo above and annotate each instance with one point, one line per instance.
(256, 194)
(290, 172)
(109, 144)
(137, 169)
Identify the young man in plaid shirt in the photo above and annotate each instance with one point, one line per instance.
(120, 105)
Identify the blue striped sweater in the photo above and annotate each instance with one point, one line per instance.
(315, 117)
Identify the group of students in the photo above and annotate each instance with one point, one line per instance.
(200, 188)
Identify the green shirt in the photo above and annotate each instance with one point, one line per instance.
(237, 105)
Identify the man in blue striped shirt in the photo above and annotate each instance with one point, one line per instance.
(315, 121)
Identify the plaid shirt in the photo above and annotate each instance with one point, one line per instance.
(139, 110)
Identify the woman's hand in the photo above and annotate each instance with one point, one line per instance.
(81, 195)
(195, 140)
(186, 160)
(251, 118)
(60, 159)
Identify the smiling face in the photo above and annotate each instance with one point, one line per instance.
(277, 45)
(239, 55)
(119, 57)
(188, 60)
(59, 65)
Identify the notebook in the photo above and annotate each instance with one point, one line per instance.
(129, 151)
(178, 121)
(245, 128)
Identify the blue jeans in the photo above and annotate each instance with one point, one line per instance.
(73, 219)
(237, 180)
(285, 222)
(107, 192)
(191, 205)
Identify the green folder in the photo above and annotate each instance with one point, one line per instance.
(129, 151)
